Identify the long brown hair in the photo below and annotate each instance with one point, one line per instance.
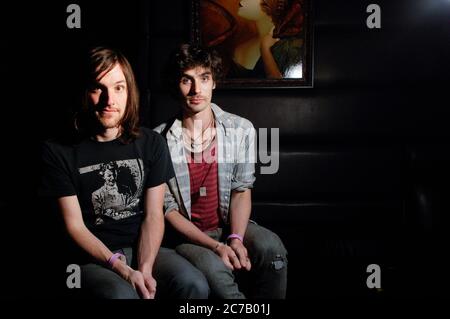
(101, 60)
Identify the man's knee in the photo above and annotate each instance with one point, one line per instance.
(115, 290)
(102, 283)
(178, 278)
(202, 258)
(265, 245)
(190, 284)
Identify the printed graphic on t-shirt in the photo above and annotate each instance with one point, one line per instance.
(119, 188)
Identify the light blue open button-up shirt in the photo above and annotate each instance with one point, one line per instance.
(236, 161)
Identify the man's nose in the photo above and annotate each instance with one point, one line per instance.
(108, 98)
(195, 88)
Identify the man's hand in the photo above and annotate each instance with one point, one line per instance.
(231, 259)
(137, 279)
(150, 283)
(241, 252)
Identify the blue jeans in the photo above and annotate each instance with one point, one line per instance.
(176, 279)
(267, 278)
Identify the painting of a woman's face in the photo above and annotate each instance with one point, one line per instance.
(251, 10)
(263, 43)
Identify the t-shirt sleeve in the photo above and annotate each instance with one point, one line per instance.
(160, 166)
(56, 180)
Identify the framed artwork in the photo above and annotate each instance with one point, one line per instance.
(263, 43)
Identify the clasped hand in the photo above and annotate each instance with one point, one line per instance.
(235, 255)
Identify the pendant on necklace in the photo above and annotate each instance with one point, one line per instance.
(203, 191)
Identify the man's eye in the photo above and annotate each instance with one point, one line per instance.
(120, 88)
(205, 78)
(185, 81)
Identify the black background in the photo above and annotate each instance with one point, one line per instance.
(366, 148)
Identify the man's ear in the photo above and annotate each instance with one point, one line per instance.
(214, 85)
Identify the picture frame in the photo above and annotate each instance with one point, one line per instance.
(255, 51)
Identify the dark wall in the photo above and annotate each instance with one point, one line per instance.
(360, 153)
(363, 154)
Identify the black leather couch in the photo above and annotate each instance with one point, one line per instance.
(360, 182)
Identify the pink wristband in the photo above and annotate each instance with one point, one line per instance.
(235, 236)
(113, 259)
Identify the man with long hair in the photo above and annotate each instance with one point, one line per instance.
(117, 241)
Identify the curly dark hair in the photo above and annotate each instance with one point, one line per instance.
(189, 56)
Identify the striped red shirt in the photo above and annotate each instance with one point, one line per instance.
(203, 175)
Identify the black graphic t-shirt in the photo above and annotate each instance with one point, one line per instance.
(109, 179)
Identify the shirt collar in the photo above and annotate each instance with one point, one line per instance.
(177, 128)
